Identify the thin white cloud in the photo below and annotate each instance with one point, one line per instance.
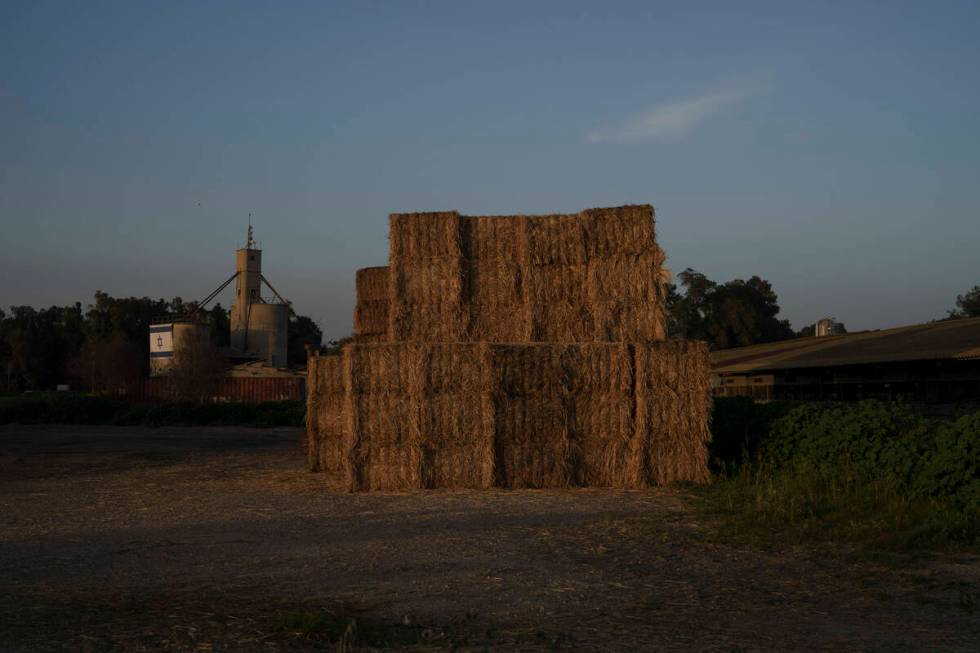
(668, 121)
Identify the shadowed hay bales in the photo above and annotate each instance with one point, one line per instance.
(413, 417)
(371, 310)
(326, 395)
(523, 415)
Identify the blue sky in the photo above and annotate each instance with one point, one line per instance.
(832, 148)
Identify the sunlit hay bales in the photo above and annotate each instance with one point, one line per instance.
(673, 405)
(371, 310)
(594, 276)
(522, 351)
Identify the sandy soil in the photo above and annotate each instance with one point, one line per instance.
(217, 539)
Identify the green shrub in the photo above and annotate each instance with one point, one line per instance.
(870, 471)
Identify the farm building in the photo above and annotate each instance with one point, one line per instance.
(938, 362)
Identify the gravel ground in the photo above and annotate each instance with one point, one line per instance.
(217, 539)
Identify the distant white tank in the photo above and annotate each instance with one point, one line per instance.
(167, 340)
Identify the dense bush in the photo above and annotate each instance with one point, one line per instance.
(67, 408)
(875, 469)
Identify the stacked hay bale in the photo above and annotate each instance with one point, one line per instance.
(325, 403)
(594, 276)
(371, 310)
(520, 351)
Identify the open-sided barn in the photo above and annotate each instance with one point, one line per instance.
(937, 362)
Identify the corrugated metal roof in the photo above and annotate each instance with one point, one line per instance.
(949, 339)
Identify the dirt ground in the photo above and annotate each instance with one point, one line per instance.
(216, 539)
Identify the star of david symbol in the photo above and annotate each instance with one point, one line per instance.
(159, 342)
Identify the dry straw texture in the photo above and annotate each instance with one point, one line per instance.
(591, 276)
(414, 417)
(673, 408)
(371, 311)
(522, 415)
(325, 432)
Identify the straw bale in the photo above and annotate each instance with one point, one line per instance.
(457, 441)
(556, 240)
(634, 277)
(619, 230)
(440, 322)
(608, 452)
(493, 281)
(383, 368)
(532, 442)
(519, 370)
(558, 283)
(418, 236)
(562, 322)
(371, 320)
(488, 237)
(498, 322)
(448, 368)
(597, 367)
(426, 281)
(325, 413)
(371, 284)
(673, 410)
(627, 321)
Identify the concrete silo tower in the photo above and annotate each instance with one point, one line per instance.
(259, 326)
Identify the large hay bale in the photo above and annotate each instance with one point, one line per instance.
(673, 410)
(415, 417)
(371, 310)
(419, 236)
(382, 417)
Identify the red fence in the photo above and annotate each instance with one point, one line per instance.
(233, 389)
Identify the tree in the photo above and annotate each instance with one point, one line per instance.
(302, 331)
(732, 314)
(967, 305)
(197, 368)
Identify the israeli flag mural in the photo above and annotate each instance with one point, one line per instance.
(162, 341)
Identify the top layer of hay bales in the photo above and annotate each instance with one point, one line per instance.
(594, 276)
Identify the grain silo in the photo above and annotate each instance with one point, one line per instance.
(259, 325)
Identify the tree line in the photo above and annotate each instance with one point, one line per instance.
(742, 312)
(105, 344)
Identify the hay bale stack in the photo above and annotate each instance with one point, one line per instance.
(371, 310)
(325, 429)
(513, 351)
(594, 276)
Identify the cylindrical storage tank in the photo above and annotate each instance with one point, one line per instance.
(268, 329)
(168, 342)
